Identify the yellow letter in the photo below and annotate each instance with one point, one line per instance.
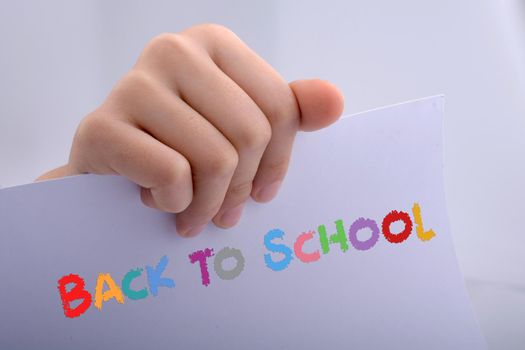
(112, 292)
(421, 233)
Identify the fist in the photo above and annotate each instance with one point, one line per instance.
(201, 123)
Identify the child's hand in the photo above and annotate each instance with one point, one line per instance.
(201, 123)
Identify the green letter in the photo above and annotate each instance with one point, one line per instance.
(338, 237)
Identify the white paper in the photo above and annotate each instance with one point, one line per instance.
(407, 295)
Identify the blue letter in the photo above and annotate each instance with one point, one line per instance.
(276, 248)
(154, 276)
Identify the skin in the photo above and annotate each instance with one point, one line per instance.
(201, 123)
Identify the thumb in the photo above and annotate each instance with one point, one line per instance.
(321, 103)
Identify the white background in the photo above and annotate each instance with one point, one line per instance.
(59, 59)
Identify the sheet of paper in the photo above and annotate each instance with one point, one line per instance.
(354, 253)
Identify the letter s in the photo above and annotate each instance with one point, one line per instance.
(276, 248)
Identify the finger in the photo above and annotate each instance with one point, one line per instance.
(274, 97)
(119, 148)
(320, 105)
(269, 91)
(320, 102)
(225, 105)
(170, 120)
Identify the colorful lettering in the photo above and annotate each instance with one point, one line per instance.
(279, 256)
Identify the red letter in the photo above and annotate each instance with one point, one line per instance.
(77, 292)
(394, 216)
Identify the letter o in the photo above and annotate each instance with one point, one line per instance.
(359, 224)
(224, 254)
(394, 216)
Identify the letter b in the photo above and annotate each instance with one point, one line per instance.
(76, 293)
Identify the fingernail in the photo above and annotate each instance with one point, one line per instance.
(192, 231)
(231, 216)
(266, 193)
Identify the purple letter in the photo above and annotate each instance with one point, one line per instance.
(201, 256)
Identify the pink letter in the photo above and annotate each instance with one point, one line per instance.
(201, 256)
(298, 248)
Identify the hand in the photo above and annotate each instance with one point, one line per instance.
(200, 123)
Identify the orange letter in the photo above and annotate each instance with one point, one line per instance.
(421, 233)
(112, 292)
